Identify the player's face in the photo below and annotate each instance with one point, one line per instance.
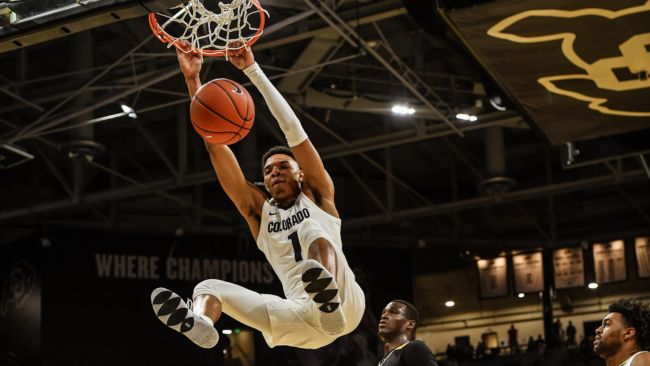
(609, 335)
(393, 321)
(282, 177)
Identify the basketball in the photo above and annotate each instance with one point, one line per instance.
(222, 112)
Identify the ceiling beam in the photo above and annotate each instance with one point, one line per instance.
(407, 137)
(373, 13)
(104, 100)
(354, 147)
(474, 203)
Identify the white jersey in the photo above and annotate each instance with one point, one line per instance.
(278, 239)
(292, 322)
(629, 360)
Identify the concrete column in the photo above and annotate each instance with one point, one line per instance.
(495, 153)
(81, 54)
(547, 298)
(81, 58)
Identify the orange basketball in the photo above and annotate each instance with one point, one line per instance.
(222, 112)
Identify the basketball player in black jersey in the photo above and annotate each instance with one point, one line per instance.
(623, 339)
(397, 327)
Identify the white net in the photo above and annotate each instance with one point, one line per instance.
(209, 31)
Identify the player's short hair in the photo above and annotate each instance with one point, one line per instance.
(637, 316)
(275, 151)
(411, 314)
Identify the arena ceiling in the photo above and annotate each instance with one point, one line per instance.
(425, 179)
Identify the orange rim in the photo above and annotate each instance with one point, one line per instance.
(166, 38)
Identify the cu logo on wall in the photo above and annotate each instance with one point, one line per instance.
(18, 286)
(609, 72)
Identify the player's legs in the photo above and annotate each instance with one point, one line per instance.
(207, 305)
(317, 277)
(212, 297)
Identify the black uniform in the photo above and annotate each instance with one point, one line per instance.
(413, 353)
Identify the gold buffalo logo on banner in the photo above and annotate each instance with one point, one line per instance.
(635, 56)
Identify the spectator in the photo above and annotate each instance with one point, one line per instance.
(480, 350)
(533, 346)
(557, 329)
(541, 344)
(512, 335)
(585, 347)
(496, 351)
(591, 354)
(561, 339)
(571, 335)
(449, 352)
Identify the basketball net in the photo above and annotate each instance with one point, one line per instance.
(208, 33)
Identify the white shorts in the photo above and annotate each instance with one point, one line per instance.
(285, 322)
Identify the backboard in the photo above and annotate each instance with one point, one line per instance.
(27, 22)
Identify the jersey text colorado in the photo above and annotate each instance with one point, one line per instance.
(295, 219)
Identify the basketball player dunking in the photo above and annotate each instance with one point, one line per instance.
(624, 337)
(298, 230)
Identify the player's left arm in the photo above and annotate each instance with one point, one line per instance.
(642, 359)
(317, 180)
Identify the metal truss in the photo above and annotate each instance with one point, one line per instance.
(50, 123)
(406, 77)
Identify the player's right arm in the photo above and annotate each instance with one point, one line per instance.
(248, 198)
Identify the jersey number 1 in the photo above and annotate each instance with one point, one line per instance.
(296, 245)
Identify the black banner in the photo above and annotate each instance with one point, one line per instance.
(96, 296)
(579, 69)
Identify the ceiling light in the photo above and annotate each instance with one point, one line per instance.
(497, 106)
(227, 331)
(521, 295)
(130, 112)
(403, 110)
(593, 285)
(450, 304)
(466, 117)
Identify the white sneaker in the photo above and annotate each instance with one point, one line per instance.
(322, 288)
(173, 311)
